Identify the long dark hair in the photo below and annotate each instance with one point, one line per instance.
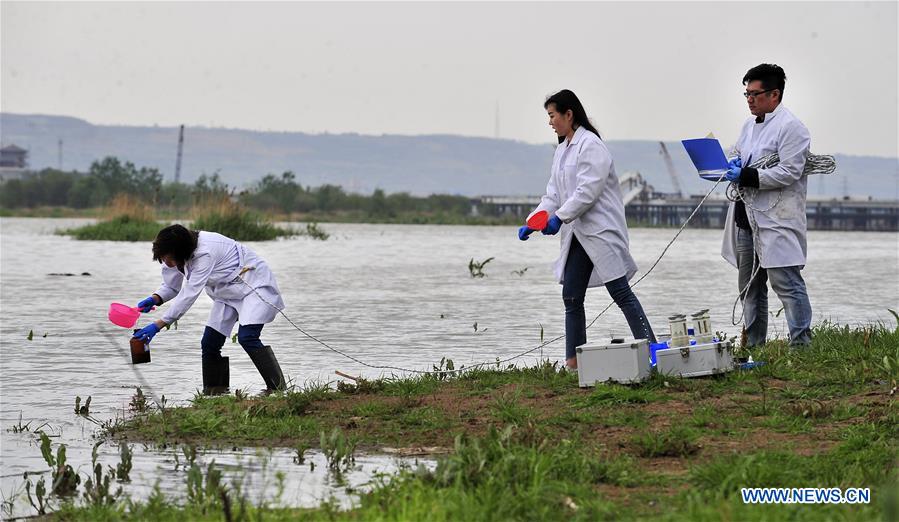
(177, 241)
(566, 100)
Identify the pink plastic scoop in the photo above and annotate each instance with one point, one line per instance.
(124, 315)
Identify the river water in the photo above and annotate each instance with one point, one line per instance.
(389, 295)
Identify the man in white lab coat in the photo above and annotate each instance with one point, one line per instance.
(767, 232)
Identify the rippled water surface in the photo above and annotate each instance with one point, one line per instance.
(390, 295)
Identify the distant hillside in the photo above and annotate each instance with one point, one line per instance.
(417, 164)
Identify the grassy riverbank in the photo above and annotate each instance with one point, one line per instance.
(233, 220)
(402, 218)
(528, 444)
(127, 219)
(52, 212)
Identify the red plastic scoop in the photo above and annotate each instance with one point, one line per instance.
(538, 221)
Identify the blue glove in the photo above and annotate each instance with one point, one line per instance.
(147, 304)
(735, 162)
(146, 333)
(733, 173)
(524, 232)
(552, 226)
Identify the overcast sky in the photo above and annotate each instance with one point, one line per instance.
(644, 70)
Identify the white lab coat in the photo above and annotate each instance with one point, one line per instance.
(215, 266)
(781, 230)
(583, 191)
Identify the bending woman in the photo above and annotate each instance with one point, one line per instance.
(583, 200)
(195, 260)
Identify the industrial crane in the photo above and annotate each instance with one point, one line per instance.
(675, 181)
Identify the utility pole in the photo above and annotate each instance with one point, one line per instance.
(180, 150)
(59, 153)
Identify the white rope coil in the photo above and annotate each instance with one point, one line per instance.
(814, 164)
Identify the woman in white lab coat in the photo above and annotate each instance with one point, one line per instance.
(242, 289)
(584, 202)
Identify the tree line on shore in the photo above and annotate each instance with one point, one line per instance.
(275, 194)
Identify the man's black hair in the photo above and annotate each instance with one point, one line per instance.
(771, 75)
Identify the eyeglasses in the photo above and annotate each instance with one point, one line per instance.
(748, 94)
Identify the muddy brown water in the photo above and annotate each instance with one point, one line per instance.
(393, 295)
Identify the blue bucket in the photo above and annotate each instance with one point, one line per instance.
(653, 348)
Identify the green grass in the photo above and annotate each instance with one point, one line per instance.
(236, 222)
(501, 476)
(677, 441)
(866, 457)
(507, 475)
(545, 374)
(126, 219)
(507, 410)
(616, 394)
(571, 419)
(130, 220)
(528, 444)
(424, 417)
(122, 228)
(625, 417)
(410, 387)
(863, 458)
(704, 416)
(211, 419)
(375, 409)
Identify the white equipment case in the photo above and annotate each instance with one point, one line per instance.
(626, 362)
(696, 360)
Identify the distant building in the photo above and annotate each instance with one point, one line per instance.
(13, 162)
(13, 156)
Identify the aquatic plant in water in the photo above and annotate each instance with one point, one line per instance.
(97, 490)
(313, 231)
(476, 268)
(139, 403)
(82, 410)
(339, 450)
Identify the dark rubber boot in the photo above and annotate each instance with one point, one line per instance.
(268, 367)
(216, 376)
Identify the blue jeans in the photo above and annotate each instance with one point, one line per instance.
(578, 268)
(787, 283)
(247, 336)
